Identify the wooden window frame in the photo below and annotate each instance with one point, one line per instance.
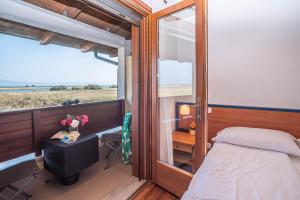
(169, 177)
(141, 90)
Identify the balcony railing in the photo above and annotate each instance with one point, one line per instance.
(23, 132)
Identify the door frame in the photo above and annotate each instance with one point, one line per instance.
(169, 177)
(141, 90)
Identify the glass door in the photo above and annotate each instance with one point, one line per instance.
(177, 91)
(177, 88)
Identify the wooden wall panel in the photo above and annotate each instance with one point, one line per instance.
(9, 118)
(102, 116)
(23, 132)
(221, 118)
(16, 134)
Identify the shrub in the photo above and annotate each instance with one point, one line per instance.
(113, 86)
(76, 88)
(58, 88)
(92, 87)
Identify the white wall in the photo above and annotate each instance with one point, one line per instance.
(254, 53)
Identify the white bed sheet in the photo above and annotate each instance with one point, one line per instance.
(296, 162)
(231, 172)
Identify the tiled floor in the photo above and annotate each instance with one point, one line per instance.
(115, 183)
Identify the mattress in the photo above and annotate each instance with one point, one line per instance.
(296, 162)
(231, 172)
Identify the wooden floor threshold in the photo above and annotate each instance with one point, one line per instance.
(150, 191)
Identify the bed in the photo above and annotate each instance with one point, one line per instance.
(236, 170)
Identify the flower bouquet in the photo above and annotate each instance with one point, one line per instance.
(192, 127)
(73, 122)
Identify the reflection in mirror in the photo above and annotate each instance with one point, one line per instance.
(176, 89)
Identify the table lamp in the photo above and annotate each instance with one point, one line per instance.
(184, 111)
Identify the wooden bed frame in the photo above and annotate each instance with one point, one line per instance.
(227, 116)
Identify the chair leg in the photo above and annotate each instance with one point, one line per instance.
(114, 148)
(112, 155)
(107, 164)
(107, 155)
(25, 194)
(20, 190)
(3, 197)
(108, 161)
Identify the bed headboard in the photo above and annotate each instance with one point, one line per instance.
(227, 116)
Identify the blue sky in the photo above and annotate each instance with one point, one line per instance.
(24, 60)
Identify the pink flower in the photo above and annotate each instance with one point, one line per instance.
(73, 121)
(85, 117)
(69, 121)
(84, 120)
(78, 117)
(63, 122)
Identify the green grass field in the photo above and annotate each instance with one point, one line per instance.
(26, 100)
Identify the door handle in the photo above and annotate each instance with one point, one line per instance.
(198, 109)
(198, 113)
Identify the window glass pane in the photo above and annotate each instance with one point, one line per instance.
(176, 89)
(176, 62)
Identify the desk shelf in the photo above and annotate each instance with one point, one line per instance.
(183, 148)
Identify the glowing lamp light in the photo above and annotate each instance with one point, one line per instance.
(185, 110)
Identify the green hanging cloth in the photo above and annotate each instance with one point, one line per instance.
(126, 137)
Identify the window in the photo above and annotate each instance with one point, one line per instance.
(34, 75)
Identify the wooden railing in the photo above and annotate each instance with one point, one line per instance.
(22, 132)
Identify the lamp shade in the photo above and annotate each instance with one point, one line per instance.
(185, 110)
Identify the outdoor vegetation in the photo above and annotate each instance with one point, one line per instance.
(56, 95)
(87, 87)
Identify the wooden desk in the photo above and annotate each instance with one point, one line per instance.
(183, 148)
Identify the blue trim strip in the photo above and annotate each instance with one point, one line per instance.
(255, 108)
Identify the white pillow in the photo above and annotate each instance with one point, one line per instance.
(259, 138)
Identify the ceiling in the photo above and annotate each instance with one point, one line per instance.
(79, 10)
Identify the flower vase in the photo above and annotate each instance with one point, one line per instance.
(72, 129)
